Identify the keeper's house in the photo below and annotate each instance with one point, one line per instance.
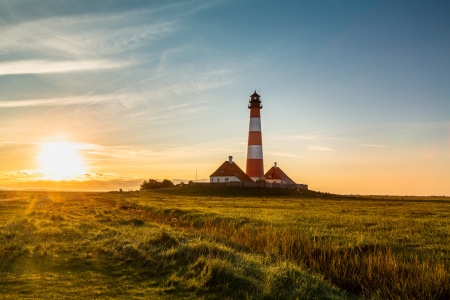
(229, 171)
(276, 175)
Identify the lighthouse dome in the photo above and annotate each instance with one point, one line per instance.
(254, 100)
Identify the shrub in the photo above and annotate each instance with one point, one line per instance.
(154, 184)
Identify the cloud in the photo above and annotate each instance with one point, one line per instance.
(282, 154)
(167, 108)
(75, 185)
(85, 35)
(41, 175)
(75, 100)
(138, 154)
(314, 137)
(48, 66)
(114, 40)
(373, 145)
(304, 137)
(318, 148)
(21, 176)
(19, 143)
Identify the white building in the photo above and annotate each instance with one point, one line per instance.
(276, 175)
(229, 171)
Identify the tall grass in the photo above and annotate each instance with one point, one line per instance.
(195, 243)
(369, 269)
(398, 256)
(78, 246)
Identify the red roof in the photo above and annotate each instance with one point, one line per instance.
(277, 173)
(231, 169)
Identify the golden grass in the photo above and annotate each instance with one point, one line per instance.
(210, 243)
(88, 246)
(370, 247)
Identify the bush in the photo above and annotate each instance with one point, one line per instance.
(166, 183)
(154, 184)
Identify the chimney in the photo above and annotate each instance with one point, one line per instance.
(230, 159)
(275, 165)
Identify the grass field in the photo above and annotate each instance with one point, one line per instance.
(222, 243)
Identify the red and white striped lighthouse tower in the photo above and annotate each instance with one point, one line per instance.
(255, 166)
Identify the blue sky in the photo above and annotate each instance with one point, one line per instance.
(355, 93)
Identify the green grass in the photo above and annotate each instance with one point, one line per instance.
(219, 243)
(380, 248)
(88, 246)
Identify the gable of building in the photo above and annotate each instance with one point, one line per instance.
(277, 174)
(231, 169)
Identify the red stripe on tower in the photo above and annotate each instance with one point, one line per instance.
(255, 165)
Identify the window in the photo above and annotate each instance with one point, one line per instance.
(227, 179)
(218, 179)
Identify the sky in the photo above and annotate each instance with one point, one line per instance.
(100, 95)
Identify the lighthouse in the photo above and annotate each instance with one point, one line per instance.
(255, 166)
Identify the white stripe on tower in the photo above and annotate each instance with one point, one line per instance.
(255, 124)
(254, 152)
(255, 165)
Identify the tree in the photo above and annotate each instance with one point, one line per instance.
(154, 184)
(150, 184)
(166, 183)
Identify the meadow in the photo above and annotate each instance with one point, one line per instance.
(219, 243)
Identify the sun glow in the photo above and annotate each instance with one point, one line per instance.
(60, 161)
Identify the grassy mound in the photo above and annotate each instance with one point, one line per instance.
(231, 192)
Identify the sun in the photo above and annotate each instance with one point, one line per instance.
(61, 161)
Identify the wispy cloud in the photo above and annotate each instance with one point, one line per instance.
(114, 40)
(48, 66)
(282, 154)
(314, 137)
(32, 179)
(318, 148)
(373, 145)
(84, 35)
(166, 108)
(75, 100)
(19, 143)
(135, 153)
(304, 137)
(21, 176)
